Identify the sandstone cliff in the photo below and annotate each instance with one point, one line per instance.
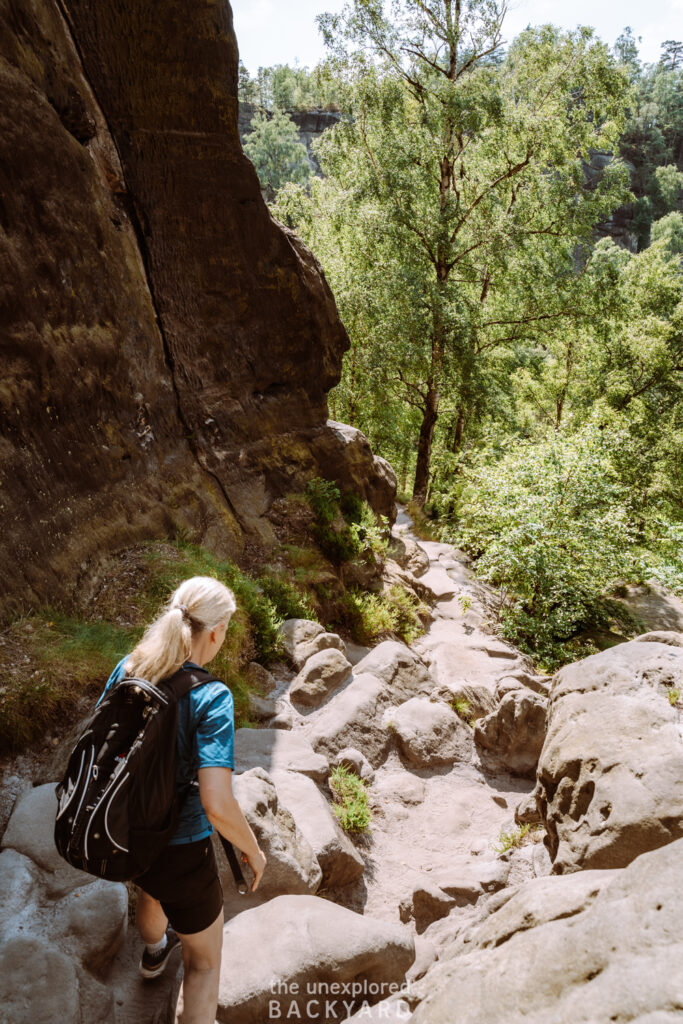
(167, 347)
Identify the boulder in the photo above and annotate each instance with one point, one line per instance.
(279, 957)
(12, 787)
(321, 674)
(260, 677)
(477, 695)
(539, 684)
(527, 812)
(292, 866)
(352, 718)
(467, 879)
(515, 731)
(348, 460)
(92, 922)
(31, 831)
(18, 884)
(429, 733)
(610, 775)
(338, 858)
(356, 762)
(278, 748)
(402, 672)
(38, 983)
(261, 708)
(409, 555)
(537, 902)
(302, 638)
(599, 946)
(425, 904)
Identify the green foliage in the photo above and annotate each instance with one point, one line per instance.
(674, 695)
(290, 602)
(351, 800)
(669, 232)
(345, 527)
(274, 148)
(375, 616)
(463, 709)
(514, 839)
(444, 237)
(51, 661)
(253, 630)
(288, 88)
(552, 526)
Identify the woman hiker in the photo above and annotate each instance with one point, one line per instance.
(180, 897)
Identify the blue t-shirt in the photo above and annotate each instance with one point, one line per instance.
(206, 739)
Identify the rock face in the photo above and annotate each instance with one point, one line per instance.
(610, 775)
(295, 950)
(167, 347)
(592, 947)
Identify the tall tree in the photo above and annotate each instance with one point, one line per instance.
(461, 173)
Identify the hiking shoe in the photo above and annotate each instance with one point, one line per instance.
(154, 964)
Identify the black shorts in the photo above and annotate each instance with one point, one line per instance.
(185, 880)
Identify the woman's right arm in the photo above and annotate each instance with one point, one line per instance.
(226, 815)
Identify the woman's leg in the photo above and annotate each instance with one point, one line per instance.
(202, 961)
(150, 919)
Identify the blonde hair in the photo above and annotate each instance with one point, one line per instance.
(199, 603)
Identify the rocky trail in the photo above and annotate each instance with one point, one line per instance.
(429, 916)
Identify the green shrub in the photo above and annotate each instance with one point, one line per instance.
(550, 524)
(288, 601)
(351, 800)
(345, 526)
(371, 616)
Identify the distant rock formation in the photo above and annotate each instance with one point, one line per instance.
(310, 125)
(167, 347)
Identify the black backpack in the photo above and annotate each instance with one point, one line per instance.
(118, 804)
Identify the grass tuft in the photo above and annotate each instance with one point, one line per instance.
(351, 800)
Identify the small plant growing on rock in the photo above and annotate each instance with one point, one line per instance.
(516, 837)
(351, 800)
(675, 696)
(462, 708)
(465, 602)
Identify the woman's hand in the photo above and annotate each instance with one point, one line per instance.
(257, 862)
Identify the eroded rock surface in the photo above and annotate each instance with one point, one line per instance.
(610, 775)
(305, 944)
(600, 946)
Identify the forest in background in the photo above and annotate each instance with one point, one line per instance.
(520, 369)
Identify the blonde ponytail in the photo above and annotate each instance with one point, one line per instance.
(199, 603)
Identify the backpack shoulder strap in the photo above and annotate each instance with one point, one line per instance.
(186, 679)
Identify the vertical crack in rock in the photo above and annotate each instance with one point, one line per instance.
(128, 201)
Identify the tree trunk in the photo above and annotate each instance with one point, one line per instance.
(459, 432)
(424, 445)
